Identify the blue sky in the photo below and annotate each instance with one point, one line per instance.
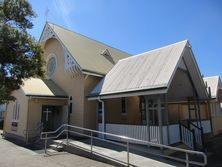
(136, 26)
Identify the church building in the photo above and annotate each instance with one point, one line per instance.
(154, 96)
(75, 65)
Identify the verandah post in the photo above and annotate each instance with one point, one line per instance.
(147, 117)
(160, 121)
(167, 116)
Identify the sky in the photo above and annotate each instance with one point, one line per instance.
(137, 26)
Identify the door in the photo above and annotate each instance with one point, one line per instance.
(47, 118)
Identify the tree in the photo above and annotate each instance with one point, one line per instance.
(20, 54)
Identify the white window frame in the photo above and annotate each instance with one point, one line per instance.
(15, 112)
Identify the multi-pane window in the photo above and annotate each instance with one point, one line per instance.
(16, 111)
(153, 111)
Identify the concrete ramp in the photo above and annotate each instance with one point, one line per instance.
(117, 155)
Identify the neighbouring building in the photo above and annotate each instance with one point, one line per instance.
(2, 114)
(215, 85)
(158, 96)
(2, 111)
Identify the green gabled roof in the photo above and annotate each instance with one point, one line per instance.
(88, 52)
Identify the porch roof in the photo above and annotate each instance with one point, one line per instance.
(150, 71)
(42, 87)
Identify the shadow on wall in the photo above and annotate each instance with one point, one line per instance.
(1, 123)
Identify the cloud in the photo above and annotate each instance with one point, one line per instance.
(64, 8)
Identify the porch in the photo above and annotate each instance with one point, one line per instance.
(156, 118)
(170, 133)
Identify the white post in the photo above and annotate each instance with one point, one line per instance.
(160, 121)
(167, 117)
(147, 117)
(103, 116)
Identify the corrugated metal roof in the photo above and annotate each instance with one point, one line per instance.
(214, 83)
(149, 70)
(87, 52)
(39, 87)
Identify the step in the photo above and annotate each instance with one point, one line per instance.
(56, 147)
(51, 151)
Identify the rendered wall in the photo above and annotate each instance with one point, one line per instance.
(73, 86)
(22, 122)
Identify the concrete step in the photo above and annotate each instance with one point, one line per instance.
(51, 151)
(56, 147)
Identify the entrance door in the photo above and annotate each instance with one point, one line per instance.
(50, 116)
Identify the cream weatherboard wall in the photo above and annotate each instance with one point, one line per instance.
(22, 100)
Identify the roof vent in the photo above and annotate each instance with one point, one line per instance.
(107, 55)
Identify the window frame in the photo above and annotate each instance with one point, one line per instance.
(16, 111)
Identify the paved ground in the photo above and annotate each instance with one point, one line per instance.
(12, 155)
(215, 148)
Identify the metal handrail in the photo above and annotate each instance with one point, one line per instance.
(127, 140)
(189, 137)
(190, 122)
(52, 132)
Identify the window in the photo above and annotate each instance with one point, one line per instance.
(51, 65)
(123, 106)
(143, 110)
(100, 107)
(221, 105)
(153, 114)
(16, 111)
(99, 110)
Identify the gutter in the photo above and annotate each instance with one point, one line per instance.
(46, 97)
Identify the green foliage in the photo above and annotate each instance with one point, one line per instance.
(20, 54)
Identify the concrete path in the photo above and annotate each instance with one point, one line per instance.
(12, 155)
(121, 155)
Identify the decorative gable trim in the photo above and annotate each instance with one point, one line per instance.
(70, 64)
(47, 33)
